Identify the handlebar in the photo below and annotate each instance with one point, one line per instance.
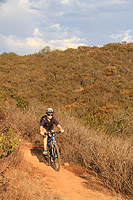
(52, 133)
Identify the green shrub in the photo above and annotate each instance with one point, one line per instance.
(8, 92)
(8, 142)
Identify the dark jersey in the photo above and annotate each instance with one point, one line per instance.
(48, 125)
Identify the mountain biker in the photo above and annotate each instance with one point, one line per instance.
(46, 125)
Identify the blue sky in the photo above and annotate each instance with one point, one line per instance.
(27, 26)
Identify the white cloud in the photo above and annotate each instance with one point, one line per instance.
(118, 1)
(17, 18)
(17, 11)
(57, 31)
(91, 5)
(116, 36)
(64, 2)
(33, 4)
(22, 46)
(39, 4)
(105, 2)
(126, 36)
(26, 26)
(37, 33)
(56, 26)
(23, 3)
(67, 43)
(37, 42)
(80, 3)
(11, 6)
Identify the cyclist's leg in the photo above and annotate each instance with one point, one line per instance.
(45, 142)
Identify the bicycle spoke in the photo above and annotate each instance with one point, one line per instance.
(56, 157)
(47, 158)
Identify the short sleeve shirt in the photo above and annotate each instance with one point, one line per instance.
(48, 125)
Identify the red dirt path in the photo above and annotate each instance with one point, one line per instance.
(64, 182)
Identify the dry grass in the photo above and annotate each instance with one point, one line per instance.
(21, 181)
(24, 123)
(25, 186)
(110, 157)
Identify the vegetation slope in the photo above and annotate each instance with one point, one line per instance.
(92, 82)
(92, 90)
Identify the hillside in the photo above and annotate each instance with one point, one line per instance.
(90, 89)
(94, 83)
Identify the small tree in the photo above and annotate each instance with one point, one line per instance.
(45, 50)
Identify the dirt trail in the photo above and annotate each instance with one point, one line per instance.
(63, 182)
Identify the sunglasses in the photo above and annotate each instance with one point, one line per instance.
(50, 114)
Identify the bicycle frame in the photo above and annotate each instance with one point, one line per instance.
(50, 145)
(53, 151)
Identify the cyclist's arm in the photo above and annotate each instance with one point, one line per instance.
(42, 130)
(59, 127)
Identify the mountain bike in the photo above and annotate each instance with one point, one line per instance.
(53, 156)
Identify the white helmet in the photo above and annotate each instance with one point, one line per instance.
(49, 110)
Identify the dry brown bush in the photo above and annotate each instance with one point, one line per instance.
(109, 156)
(24, 123)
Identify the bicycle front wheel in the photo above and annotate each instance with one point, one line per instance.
(47, 158)
(56, 157)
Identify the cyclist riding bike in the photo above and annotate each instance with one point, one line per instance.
(47, 124)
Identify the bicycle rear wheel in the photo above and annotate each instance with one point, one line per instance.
(56, 157)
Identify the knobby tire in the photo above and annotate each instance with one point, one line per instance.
(47, 159)
(56, 161)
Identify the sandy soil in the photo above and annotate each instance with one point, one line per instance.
(64, 182)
